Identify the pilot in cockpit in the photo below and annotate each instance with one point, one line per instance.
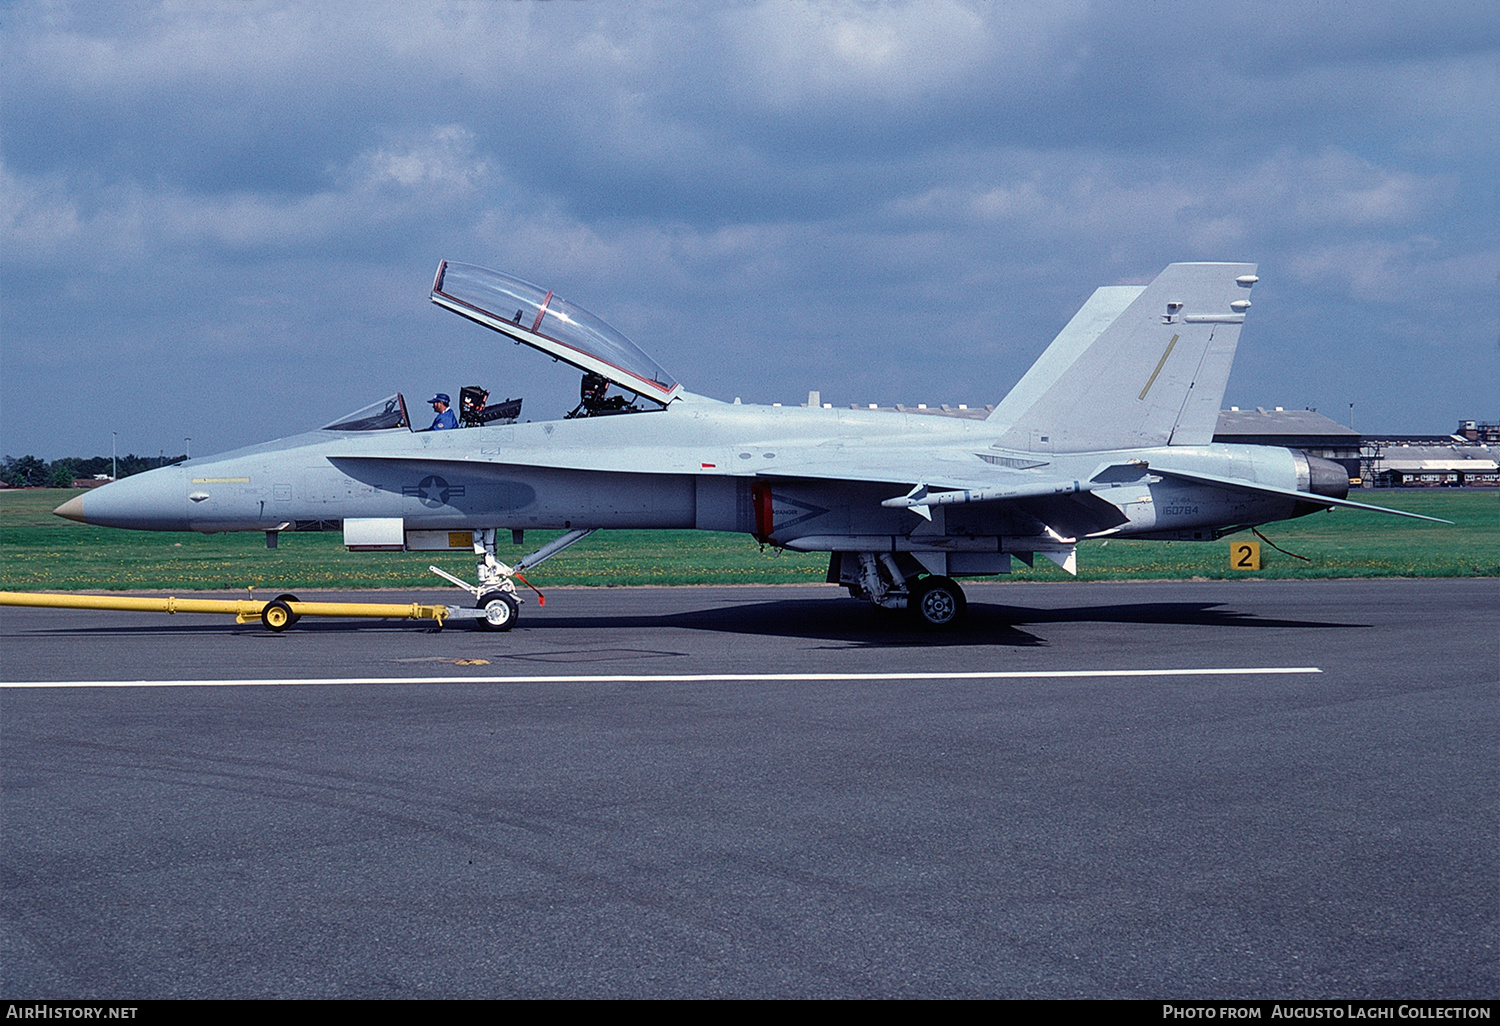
(445, 418)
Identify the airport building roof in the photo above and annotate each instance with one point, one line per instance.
(1471, 459)
(1307, 430)
(1236, 424)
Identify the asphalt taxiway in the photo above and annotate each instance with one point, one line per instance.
(1212, 789)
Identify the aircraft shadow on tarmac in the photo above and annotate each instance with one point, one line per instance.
(986, 624)
(836, 620)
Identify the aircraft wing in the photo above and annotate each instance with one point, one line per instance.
(956, 468)
(923, 480)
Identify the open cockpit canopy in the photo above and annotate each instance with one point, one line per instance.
(538, 317)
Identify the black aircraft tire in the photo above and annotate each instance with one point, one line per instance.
(500, 611)
(938, 602)
(289, 598)
(277, 616)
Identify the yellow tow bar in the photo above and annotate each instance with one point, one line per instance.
(277, 614)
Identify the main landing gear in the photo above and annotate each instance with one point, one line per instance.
(898, 582)
(938, 602)
(496, 597)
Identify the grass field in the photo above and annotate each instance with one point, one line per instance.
(42, 552)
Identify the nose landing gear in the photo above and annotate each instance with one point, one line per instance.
(495, 595)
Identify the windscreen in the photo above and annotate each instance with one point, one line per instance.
(380, 416)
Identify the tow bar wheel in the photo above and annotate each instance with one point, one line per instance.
(288, 598)
(277, 616)
(499, 611)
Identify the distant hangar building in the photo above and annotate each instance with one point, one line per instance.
(1468, 457)
(1433, 466)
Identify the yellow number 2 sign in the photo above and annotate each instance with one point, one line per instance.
(1244, 555)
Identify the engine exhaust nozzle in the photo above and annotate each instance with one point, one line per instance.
(1325, 477)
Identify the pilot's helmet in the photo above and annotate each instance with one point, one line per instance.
(441, 397)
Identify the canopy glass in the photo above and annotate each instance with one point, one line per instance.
(540, 318)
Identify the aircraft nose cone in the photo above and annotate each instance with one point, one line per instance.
(72, 509)
(153, 501)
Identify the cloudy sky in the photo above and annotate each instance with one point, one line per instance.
(221, 220)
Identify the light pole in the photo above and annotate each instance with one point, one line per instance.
(114, 466)
(187, 448)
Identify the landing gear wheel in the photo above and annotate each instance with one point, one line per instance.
(288, 598)
(938, 602)
(499, 611)
(277, 616)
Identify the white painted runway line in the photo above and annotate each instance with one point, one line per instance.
(675, 678)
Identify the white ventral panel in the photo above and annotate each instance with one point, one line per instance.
(374, 534)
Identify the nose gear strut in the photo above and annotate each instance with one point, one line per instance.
(496, 593)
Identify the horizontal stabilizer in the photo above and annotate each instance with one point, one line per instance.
(1316, 500)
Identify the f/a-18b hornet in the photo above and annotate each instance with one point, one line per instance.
(1108, 435)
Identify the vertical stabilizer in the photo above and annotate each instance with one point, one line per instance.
(1154, 376)
(1101, 310)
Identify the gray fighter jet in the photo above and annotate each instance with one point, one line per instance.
(1108, 435)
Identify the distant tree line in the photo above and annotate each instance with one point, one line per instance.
(31, 472)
